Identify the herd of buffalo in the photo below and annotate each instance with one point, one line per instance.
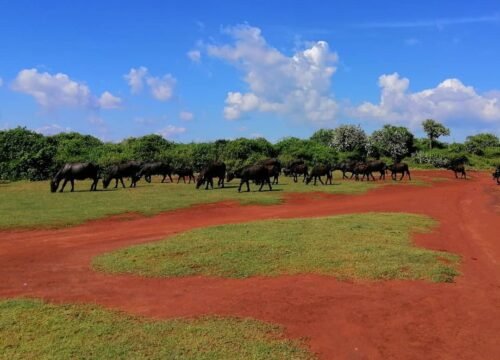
(260, 173)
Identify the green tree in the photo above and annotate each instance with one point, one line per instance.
(476, 144)
(393, 141)
(434, 130)
(349, 138)
(323, 136)
(148, 147)
(75, 147)
(25, 154)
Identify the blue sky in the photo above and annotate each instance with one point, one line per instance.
(200, 70)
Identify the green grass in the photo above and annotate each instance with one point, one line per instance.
(30, 204)
(374, 246)
(34, 330)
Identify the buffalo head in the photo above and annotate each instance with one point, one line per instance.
(54, 184)
(200, 180)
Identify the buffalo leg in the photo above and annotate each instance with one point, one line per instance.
(164, 177)
(241, 183)
(262, 183)
(123, 183)
(269, 183)
(408, 173)
(64, 184)
(402, 176)
(321, 181)
(248, 185)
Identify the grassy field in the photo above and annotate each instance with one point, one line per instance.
(373, 246)
(34, 330)
(30, 204)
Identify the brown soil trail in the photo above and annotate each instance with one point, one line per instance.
(341, 320)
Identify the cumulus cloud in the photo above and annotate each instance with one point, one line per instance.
(171, 131)
(161, 88)
(186, 115)
(194, 55)
(295, 86)
(54, 91)
(450, 99)
(109, 101)
(52, 129)
(135, 79)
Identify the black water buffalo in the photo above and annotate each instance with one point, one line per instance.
(274, 167)
(317, 172)
(75, 171)
(257, 173)
(345, 167)
(496, 175)
(206, 175)
(156, 168)
(235, 174)
(399, 168)
(458, 169)
(182, 173)
(378, 166)
(128, 169)
(299, 169)
(360, 168)
(287, 170)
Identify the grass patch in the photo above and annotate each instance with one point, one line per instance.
(375, 246)
(30, 204)
(34, 330)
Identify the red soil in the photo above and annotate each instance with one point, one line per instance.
(353, 320)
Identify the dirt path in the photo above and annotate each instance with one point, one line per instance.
(346, 320)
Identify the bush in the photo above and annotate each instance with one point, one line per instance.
(477, 143)
(25, 154)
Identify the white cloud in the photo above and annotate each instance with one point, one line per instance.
(171, 131)
(54, 91)
(52, 129)
(451, 99)
(194, 55)
(135, 79)
(295, 86)
(161, 88)
(186, 115)
(109, 101)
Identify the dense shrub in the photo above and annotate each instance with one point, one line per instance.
(395, 142)
(476, 144)
(25, 154)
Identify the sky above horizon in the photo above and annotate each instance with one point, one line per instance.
(200, 70)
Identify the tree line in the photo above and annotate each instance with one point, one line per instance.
(25, 154)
